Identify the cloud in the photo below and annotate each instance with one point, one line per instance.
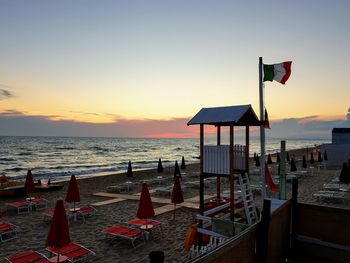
(13, 122)
(5, 93)
(12, 113)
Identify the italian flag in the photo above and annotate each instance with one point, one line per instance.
(279, 72)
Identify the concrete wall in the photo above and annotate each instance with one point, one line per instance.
(336, 153)
(341, 138)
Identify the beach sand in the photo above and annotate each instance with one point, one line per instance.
(33, 229)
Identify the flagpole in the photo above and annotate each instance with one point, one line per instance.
(262, 130)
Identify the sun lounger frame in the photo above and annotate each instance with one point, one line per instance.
(121, 236)
(77, 247)
(9, 233)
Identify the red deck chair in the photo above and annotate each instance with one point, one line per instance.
(87, 211)
(21, 207)
(125, 232)
(74, 252)
(39, 203)
(27, 256)
(147, 224)
(7, 231)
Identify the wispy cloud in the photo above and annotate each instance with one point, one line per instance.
(13, 122)
(5, 92)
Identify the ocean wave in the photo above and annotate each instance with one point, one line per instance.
(7, 160)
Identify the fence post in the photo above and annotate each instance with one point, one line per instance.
(263, 237)
(294, 219)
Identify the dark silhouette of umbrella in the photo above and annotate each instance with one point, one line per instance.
(183, 165)
(319, 158)
(58, 235)
(49, 181)
(177, 170)
(293, 167)
(145, 209)
(29, 183)
(325, 157)
(160, 166)
(254, 157)
(176, 194)
(288, 157)
(312, 160)
(73, 194)
(279, 169)
(269, 160)
(129, 172)
(257, 160)
(343, 173)
(278, 158)
(304, 165)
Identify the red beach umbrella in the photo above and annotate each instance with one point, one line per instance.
(176, 195)
(58, 235)
(145, 209)
(29, 183)
(73, 194)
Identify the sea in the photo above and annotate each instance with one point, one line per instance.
(60, 157)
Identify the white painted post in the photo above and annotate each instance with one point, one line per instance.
(262, 129)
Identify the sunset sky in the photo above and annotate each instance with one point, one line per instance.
(144, 68)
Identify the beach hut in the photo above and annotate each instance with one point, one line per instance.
(223, 160)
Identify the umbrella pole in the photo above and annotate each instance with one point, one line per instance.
(174, 211)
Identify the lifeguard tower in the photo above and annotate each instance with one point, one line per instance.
(223, 160)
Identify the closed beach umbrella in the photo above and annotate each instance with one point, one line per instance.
(319, 158)
(343, 173)
(176, 194)
(312, 160)
(293, 167)
(304, 162)
(145, 209)
(73, 194)
(254, 157)
(29, 183)
(183, 165)
(288, 157)
(269, 160)
(278, 158)
(257, 160)
(325, 157)
(129, 172)
(160, 166)
(177, 170)
(58, 235)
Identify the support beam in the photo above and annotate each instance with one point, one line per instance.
(232, 176)
(218, 181)
(247, 149)
(201, 182)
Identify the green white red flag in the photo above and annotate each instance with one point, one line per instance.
(278, 72)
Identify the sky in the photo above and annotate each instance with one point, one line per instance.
(144, 68)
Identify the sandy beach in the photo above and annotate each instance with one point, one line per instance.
(33, 229)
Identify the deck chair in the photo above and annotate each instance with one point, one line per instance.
(21, 207)
(39, 203)
(27, 256)
(74, 252)
(7, 231)
(87, 211)
(147, 224)
(125, 232)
